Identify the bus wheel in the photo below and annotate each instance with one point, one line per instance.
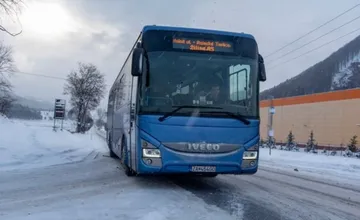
(112, 154)
(127, 169)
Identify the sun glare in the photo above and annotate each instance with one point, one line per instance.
(47, 20)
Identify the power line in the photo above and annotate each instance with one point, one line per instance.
(39, 75)
(337, 28)
(45, 76)
(301, 37)
(314, 49)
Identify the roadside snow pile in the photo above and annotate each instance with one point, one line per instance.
(101, 132)
(28, 144)
(339, 169)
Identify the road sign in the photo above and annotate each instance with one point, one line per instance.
(59, 111)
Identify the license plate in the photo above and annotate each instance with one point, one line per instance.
(203, 169)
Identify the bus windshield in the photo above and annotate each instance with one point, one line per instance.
(187, 78)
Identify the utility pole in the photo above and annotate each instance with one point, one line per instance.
(270, 124)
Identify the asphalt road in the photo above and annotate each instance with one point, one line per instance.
(55, 190)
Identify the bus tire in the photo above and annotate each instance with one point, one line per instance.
(111, 152)
(128, 171)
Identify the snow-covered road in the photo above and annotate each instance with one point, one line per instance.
(75, 179)
(98, 189)
(269, 195)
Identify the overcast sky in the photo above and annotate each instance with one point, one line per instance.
(58, 33)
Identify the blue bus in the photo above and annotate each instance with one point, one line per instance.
(186, 101)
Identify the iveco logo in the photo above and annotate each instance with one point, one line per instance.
(203, 147)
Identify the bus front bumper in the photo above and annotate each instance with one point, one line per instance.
(205, 164)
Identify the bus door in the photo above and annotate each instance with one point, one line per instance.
(133, 133)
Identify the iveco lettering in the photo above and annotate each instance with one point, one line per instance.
(186, 101)
(203, 147)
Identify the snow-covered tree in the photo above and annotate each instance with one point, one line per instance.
(352, 144)
(310, 145)
(261, 142)
(86, 87)
(290, 140)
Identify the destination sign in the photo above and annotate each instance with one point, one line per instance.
(203, 45)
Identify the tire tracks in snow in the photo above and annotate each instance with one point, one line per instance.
(312, 200)
(99, 190)
(312, 179)
(268, 195)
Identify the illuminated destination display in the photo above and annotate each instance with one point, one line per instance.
(202, 45)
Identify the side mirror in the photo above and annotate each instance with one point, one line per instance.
(137, 62)
(262, 71)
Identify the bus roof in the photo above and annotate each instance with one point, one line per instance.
(195, 30)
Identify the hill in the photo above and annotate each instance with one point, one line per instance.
(339, 71)
(34, 103)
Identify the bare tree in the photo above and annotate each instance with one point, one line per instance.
(6, 98)
(7, 67)
(86, 87)
(11, 8)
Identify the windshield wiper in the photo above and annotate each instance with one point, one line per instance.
(166, 115)
(236, 116)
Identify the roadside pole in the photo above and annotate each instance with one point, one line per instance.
(270, 124)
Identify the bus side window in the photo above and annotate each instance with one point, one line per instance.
(239, 82)
(119, 93)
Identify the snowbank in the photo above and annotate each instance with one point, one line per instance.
(28, 144)
(338, 169)
(101, 132)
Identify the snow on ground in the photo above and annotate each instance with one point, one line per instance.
(101, 132)
(97, 189)
(29, 144)
(134, 204)
(46, 123)
(342, 170)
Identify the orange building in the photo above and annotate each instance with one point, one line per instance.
(334, 117)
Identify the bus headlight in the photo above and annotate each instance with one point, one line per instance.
(250, 155)
(149, 150)
(154, 153)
